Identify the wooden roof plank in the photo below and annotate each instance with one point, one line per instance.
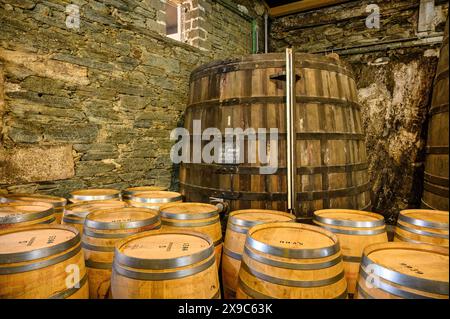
(304, 5)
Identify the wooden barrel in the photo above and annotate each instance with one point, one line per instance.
(102, 229)
(165, 265)
(20, 214)
(41, 262)
(403, 271)
(154, 199)
(355, 230)
(249, 93)
(239, 222)
(200, 217)
(436, 191)
(58, 202)
(422, 226)
(75, 214)
(128, 192)
(291, 261)
(85, 195)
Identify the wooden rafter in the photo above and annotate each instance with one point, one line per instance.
(300, 6)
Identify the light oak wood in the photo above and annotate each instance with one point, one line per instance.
(423, 226)
(24, 213)
(291, 261)
(102, 230)
(355, 230)
(239, 222)
(403, 271)
(42, 261)
(84, 195)
(57, 202)
(154, 199)
(163, 258)
(128, 192)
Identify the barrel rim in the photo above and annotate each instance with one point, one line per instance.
(294, 253)
(246, 223)
(138, 198)
(89, 222)
(68, 210)
(422, 222)
(27, 216)
(61, 201)
(421, 232)
(421, 284)
(114, 193)
(362, 232)
(349, 223)
(188, 216)
(138, 189)
(40, 252)
(167, 263)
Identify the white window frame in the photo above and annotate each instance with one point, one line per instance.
(179, 35)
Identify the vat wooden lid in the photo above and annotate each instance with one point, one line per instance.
(94, 194)
(54, 200)
(425, 218)
(121, 218)
(251, 217)
(292, 240)
(188, 211)
(156, 197)
(22, 211)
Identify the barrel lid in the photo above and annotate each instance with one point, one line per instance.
(34, 242)
(186, 211)
(292, 240)
(252, 217)
(21, 211)
(163, 249)
(349, 218)
(121, 218)
(94, 194)
(82, 209)
(425, 218)
(139, 189)
(54, 200)
(156, 197)
(417, 266)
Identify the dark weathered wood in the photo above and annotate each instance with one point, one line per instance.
(435, 195)
(331, 154)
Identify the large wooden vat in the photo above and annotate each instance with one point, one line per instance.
(436, 191)
(330, 148)
(42, 261)
(291, 261)
(403, 271)
(165, 265)
(355, 230)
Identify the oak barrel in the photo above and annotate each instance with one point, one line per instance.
(203, 218)
(165, 265)
(22, 213)
(403, 271)
(75, 214)
(154, 199)
(436, 191)
(422, 226)
(102, 230)
(355, 230)
(239, 222)
(42, 262)
(291, 261)
(128, 192)
(249, 93)
(57, 202)
(84, 195)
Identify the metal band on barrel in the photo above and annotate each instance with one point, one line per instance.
(95, 197)
(401, 238)
(349, 223)
(285, 265)
(354, 232)
(120, 225)
(237, 229)
(147, 200)
(232, 254)
(423, 223)
(97, 264)
(24, 217)
(97, 248)
(200, 224)
(189, 216)
(69, 292)
(422, 232)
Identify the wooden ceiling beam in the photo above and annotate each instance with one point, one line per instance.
(300, 6)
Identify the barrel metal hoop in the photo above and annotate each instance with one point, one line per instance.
(145, 200)
(362, 292)
(39, 264)
(97, 248)
(422, 232)
(251, 292)
(87, 232)
(201, 224)
(19, 218)
(40, 253)
(355, 232)
(409, 240)
(349, 223)
(293, 283)
(216, 295)
(280, 264)
(69, 292)
(97, 264)
(443, 108)
(232, 254)
(69, 220)
(421, 284)
(230, 292)
(120, 225)
(437, 190)
(437, 150)
(379, 284)
(352, 259)
(437, 180)
(237, 229)
(442, 75)
(94, 197)
(422, 223)
(189, 216)
(162, 276)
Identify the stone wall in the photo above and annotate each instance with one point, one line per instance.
(394, 68)
(109, 91)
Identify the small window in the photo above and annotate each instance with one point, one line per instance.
(173, 20)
